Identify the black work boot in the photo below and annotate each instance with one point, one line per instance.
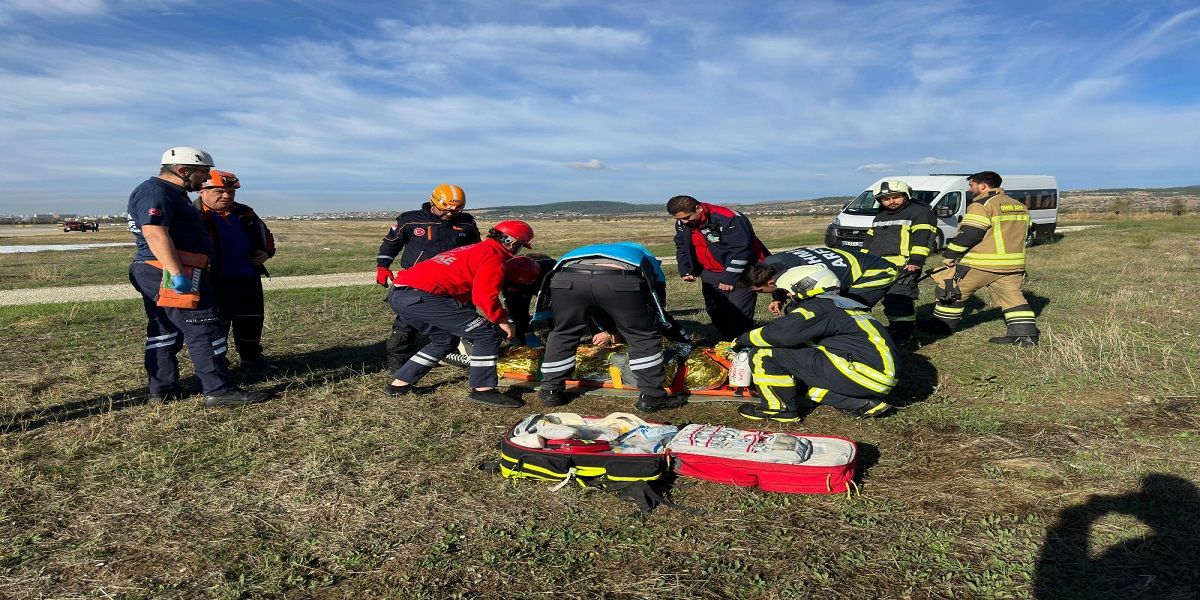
(753, 411)
(494, 397)
(937, 326)
(552, 397)
(1024, 341)
(651, 403)
(871, 410)
(901, 331)
(395, 391)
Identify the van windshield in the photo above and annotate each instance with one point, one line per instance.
(865, 203)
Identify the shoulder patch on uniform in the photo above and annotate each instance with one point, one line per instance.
(154, 212)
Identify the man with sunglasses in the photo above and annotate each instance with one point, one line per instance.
(439, 225)
(169, 231)
(716, 244)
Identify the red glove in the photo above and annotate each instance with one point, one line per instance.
(383, 276)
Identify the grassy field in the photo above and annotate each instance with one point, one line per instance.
(1064, 471)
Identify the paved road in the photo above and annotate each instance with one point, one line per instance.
(90, 293)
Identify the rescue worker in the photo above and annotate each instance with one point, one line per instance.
(439, 297)
(988, 251)
(864, 278)
(241, 244)
(827, 342)
(623, 288)
(438, 226)
(170, 232)
(523, 276)
(717, 244)
(903, 232)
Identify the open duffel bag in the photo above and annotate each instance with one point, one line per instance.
(775, 462)
(598, 455)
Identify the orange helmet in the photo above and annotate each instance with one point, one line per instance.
(448, 197)
(221, 179)
(516, 230)
(522, 270)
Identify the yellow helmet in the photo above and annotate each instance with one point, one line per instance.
(448, 197)
(888, 187)
(808, 281)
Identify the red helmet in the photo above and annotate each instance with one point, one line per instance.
(221, 179)
(517, 230)
(522, 270)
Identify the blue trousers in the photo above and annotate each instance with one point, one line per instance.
(444, 320)
(169, 329)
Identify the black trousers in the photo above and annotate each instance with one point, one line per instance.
(240, 301)
(575, 297)
(732, 312)
(444, 320)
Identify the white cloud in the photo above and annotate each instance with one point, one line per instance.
(876, 167)
(591, 165)
(931, 161)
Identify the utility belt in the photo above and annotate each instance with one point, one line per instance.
(598, 270)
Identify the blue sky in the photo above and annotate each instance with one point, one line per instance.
(323, 106)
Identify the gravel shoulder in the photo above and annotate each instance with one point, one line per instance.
(89, 293)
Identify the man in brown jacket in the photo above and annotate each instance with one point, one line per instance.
(988, 251)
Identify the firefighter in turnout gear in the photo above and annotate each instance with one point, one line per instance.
(438, 226)
(904, 233)
(988, 251)
(863, 277)
(826, 342)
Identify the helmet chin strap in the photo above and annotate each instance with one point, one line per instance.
(188, 186)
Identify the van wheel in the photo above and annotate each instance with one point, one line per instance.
(1030, 239)
(939, 242)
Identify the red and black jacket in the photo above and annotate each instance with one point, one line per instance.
(422, 235)
(726, 236)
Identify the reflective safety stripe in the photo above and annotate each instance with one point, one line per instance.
(483, 361)
(220, 346)
(1002, 257)
(641, 364)
(817, 394)
(557, 366)
(161, 341)
(862, 374)
(424, 359)
(756, 338)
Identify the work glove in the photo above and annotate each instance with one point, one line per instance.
(181, 283)
(383, 276)
(532, 340)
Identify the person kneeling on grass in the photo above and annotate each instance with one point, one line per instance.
(438, 298)
(829, 343)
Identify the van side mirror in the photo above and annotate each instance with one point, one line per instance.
(943, 212)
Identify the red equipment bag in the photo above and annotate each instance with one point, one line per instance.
(828, 468)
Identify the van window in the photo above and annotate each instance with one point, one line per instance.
(864, 204)
(952, 200)
(1035, 199)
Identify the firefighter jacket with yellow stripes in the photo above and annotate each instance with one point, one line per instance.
(904, 236)
(992, 234)
(844, 332)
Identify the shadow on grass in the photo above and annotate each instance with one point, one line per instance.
(328, 366)
(918, 379)
(1162, 564)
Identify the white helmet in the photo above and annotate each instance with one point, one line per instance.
(888, 187)
(186, 155)
(808, 281)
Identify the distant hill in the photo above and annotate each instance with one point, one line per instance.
(829, 205)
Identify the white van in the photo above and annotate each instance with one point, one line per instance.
(948, 196)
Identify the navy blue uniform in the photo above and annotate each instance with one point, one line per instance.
(623, 286)
(717, 252)
(160, 202)
(236, 280)
(863, 277)
(419, 235)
